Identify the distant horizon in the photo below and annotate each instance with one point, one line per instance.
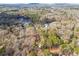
(38, 1)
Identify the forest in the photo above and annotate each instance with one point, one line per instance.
(44, 31)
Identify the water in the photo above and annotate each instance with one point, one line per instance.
(9, 20)
(24, 20)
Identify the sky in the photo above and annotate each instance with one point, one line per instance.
(38, 1)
